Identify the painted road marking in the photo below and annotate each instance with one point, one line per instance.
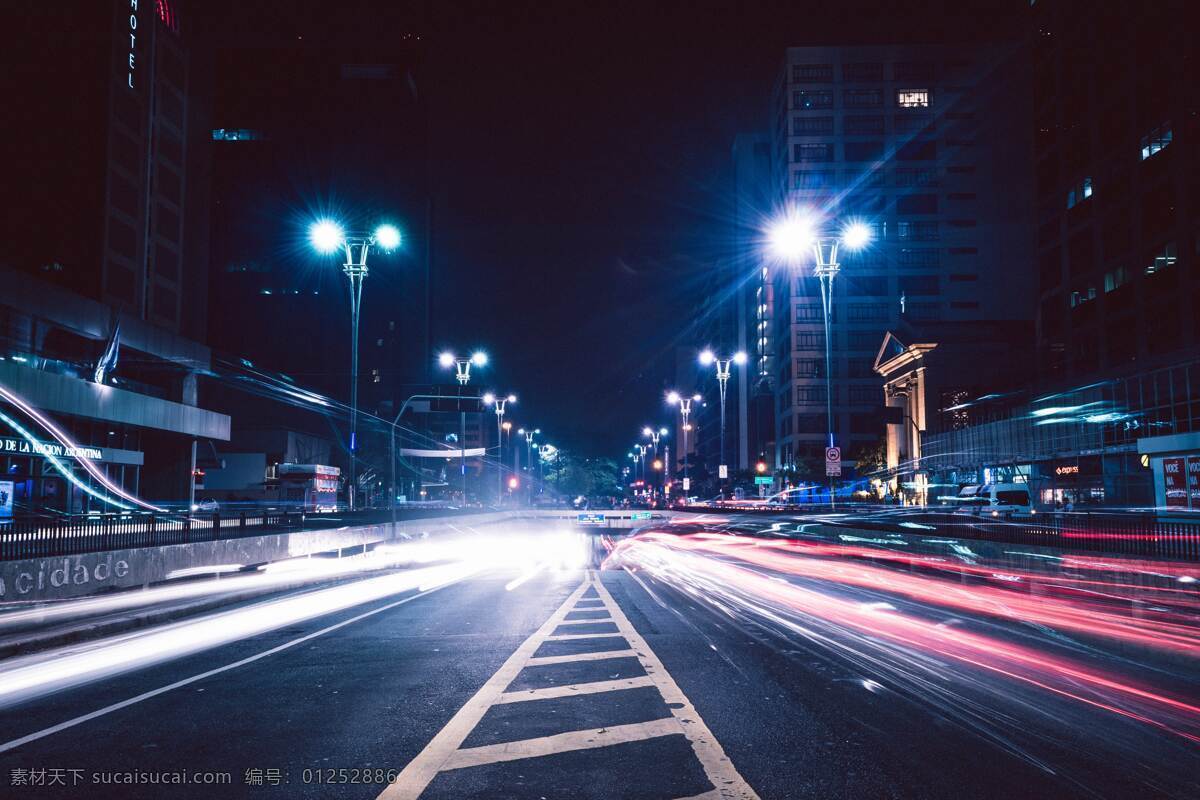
(445, 752)
(560, 637)
(573, 689)
(717, 766)
(562, 743)
(421, 770)
(537, 662)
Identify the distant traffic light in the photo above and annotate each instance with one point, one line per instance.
(760, 467)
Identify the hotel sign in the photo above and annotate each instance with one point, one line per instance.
(132, 29)
(18, 447)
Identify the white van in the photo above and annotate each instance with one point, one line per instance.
(995, 499)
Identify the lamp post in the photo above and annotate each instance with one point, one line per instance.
(327, 237)
(795, 236)
(654, 436)
(529, 434)
(724, 368)
(685, 410)
(499, 403)
(462, 373)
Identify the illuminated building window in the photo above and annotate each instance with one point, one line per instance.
(236, 135)
(1115, 279)
(1079, 192)
(1162, 259)
(1083, 295)
(1156, 140)
(912, 98)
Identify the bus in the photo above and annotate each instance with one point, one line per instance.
(312, 488)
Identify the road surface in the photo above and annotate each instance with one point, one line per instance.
(753, 659)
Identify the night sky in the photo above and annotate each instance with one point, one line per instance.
(582, 174)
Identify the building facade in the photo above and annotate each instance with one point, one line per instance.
(1118, 187)
(925, 145)
(104, 260)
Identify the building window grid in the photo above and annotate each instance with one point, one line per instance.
(1156, 141)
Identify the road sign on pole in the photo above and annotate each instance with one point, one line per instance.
(723, 471)
(833, 462)
(687, 484)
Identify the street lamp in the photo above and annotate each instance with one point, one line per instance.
(654, 436)
(529, 434)
(724, 368)
(499, 403)
(792, 238)
(685, 410)
(462, 373)
(326, 237)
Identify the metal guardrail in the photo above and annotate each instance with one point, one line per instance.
(1130, 533)
(66, 536)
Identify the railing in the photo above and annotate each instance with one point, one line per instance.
(48, 537)
(1134, 534)
(1116, 532)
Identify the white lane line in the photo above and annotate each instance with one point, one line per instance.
(563, 637)
(420, 771)
(534, 662)
(563, 743)
(100, 712)
(573, 689)
(717, 766)
(585, 621)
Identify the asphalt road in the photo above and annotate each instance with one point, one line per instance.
(701, 662)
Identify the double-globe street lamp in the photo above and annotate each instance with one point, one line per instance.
(327, 236)
(529, 434)
(685, 411)
(654, 436)
(724, 370)
(792, 238)
(499, 404)
(462, 373)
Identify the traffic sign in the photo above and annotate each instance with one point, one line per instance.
(723, 471)
(641, 515)
(833, 462)
(763, 480)
(687, 484)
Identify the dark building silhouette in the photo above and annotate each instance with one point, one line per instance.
(1118, 186)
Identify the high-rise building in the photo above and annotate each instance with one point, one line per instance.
(1118, 187)
(103, 253)
(928, 146)
(101, 136)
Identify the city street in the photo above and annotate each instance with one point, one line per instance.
(721, 658)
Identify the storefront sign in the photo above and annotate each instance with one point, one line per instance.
(6, 499)
(1175, 482)
(1193, 480)
(10, 446)
(1067, 469)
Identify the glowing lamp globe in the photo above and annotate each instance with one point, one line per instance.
(326, 236)
(387, 237)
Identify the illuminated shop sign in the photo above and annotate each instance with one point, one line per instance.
(133, 25)
(10, 446)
